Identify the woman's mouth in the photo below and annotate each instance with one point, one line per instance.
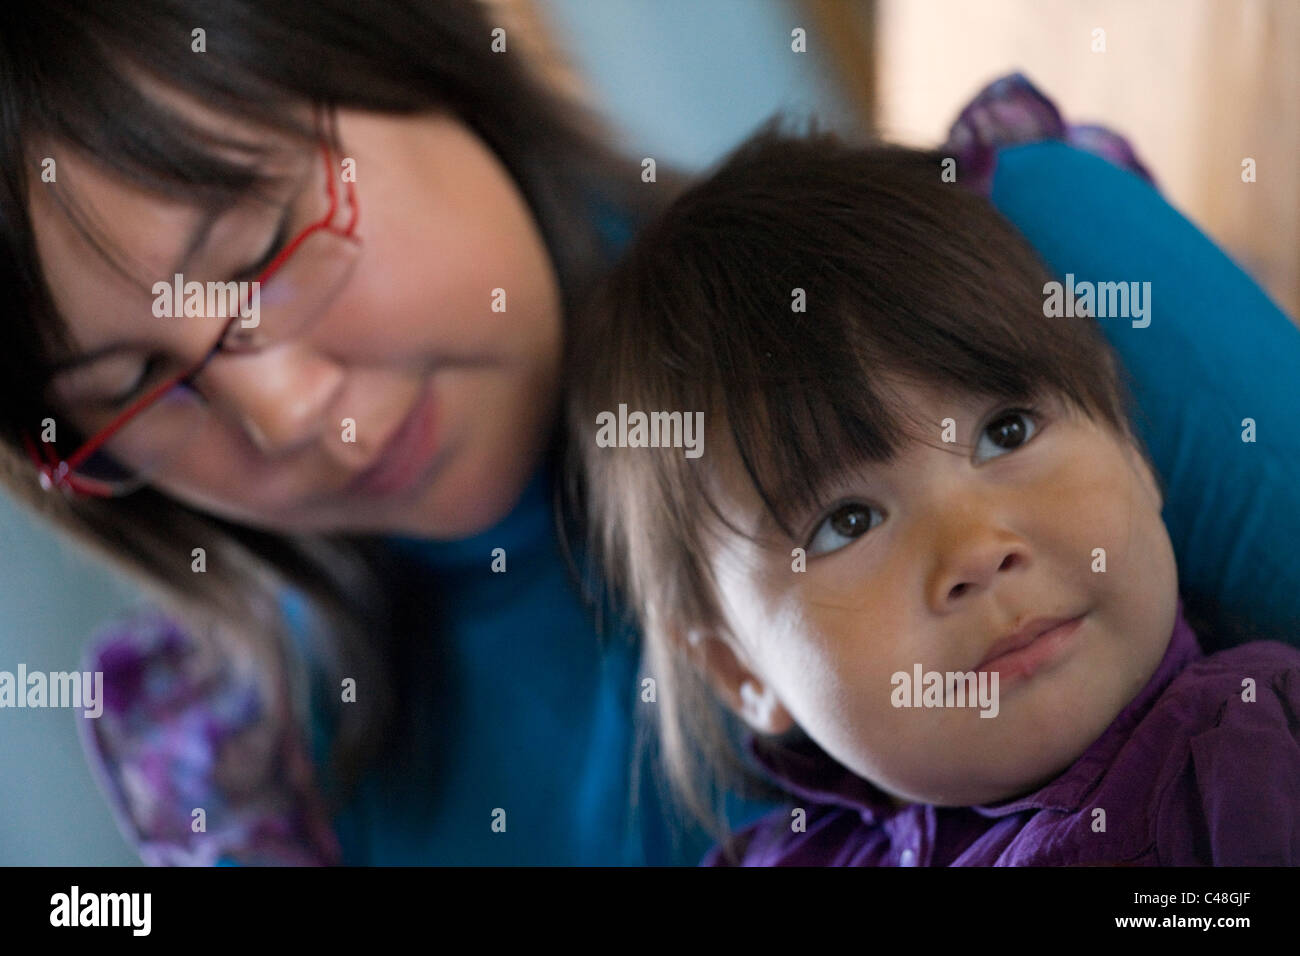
(406, 455)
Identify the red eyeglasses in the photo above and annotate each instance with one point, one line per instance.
(157, 428)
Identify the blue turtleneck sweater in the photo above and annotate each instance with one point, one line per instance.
(519, 748)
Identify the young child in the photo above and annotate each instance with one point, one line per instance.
(866, 495)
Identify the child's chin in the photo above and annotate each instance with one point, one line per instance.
(985, 782)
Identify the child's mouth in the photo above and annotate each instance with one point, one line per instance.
(1031, 649)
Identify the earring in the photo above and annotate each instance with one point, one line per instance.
(757, 705)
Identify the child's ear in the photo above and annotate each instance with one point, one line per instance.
(748, 695)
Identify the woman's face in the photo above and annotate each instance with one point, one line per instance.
(412, 336)
(930, 562)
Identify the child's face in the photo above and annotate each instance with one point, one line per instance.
(963, 544)
(442, 225)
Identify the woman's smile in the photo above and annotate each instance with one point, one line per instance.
(405, 455)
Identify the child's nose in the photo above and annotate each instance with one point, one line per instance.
(971, 559)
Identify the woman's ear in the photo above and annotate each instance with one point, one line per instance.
(748, 695)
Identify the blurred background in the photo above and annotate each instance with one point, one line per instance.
(1195, 85)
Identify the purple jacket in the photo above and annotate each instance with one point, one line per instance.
(1188, 774)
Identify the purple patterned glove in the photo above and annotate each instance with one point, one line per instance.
(185, 728)
(1010, 111)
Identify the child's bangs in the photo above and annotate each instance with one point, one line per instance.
(793, 439)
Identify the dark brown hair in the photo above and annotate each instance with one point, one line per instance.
(70, 78)
(904, 277)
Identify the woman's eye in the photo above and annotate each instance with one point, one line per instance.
(277, 243)
(841, 527)
(145, 377)
(1009, 431)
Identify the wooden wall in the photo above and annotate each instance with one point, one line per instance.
(1196, 85)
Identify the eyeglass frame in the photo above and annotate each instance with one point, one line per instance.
(55, 472)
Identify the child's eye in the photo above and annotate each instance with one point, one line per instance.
(1009, 430)
(841, 527)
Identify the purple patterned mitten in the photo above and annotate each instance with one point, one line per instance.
(184, 728)
(1011, 111)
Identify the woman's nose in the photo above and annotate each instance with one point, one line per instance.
(280, 396)
(972, 553)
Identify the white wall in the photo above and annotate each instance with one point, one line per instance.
(51, 812)
(687, 79)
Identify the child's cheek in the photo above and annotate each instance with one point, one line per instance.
(842, 652)
(1100, 533)
(1100, 527)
